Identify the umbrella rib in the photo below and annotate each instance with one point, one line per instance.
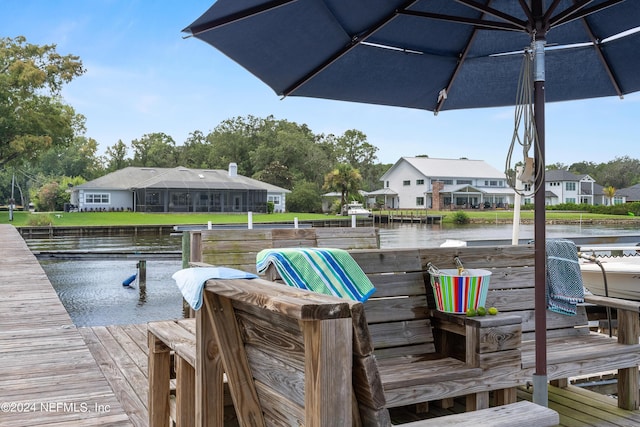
(480, 23)
(579, 11)
(234, 17)
(527, 10)
(550, 10)
(605, 63)
(355, 41)
(463, 57)
(494, 12)
(570, 11)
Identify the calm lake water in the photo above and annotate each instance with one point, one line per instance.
(93, 294)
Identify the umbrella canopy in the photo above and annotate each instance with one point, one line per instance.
(404, 53)
(437, 55)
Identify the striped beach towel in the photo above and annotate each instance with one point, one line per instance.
(322, 270)
(564, 279)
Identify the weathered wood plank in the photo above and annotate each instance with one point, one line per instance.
(185, 393)
(270, 296)
(46, 362)
(177, 338)
(520, 414)
(328, 361)
(159, 375)
(234, 359)
(209, 408)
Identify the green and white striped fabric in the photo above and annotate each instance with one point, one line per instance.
(323, 270)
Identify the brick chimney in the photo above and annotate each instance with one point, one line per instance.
(436, 200)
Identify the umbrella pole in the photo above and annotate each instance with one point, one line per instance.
(540, 385)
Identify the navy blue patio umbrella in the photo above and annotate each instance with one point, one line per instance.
(438, 55)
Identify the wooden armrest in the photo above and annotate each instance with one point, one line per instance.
(617, 303)
(488, 321)
(292, 302)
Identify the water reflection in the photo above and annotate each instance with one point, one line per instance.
(93, 294)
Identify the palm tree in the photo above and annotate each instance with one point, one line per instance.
(344, 179)
(609, 192)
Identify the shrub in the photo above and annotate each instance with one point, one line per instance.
(460, 218)
(270, 207)
(39, 220)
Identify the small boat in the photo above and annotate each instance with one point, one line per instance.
(356, 208)
(453, 243)
(616, 274)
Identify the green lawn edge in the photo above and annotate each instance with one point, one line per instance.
(71, 219)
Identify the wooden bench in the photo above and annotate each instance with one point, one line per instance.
(176, 339)
(395, 342)
(287, 355)
(572, 349)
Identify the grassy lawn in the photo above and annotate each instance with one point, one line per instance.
(137, 218)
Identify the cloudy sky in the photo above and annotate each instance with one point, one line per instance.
(143, 76)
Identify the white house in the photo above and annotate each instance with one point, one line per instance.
(148, 189)
(423, 182)
(562, 186)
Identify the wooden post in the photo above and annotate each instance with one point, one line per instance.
(628, 331)
(142, 280)
(185, 393)
(186, 248)
(328, 367)
(159, 367)
(195, 246)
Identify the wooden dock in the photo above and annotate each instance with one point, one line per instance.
(48, 375)
(121, 352)
(56, 374)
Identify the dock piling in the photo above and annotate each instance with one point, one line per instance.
(142, 280)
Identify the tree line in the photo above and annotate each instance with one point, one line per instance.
(44, 148)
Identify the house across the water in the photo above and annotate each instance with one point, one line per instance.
(423, 182)
(149, 189)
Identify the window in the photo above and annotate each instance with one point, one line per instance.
(570, 200)
(97, 198)
(387, 186)
(618, 200)
(419, 201)
(527, 187)
(407, 182)
(570, 186)
(491, 183)
(464, 181)
(444, 181)
(419, 181)
(152, 198)
(274, 199)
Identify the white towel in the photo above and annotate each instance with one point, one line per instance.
(191, 281)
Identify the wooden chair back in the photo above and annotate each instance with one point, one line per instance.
(238, 248)
(512, 285)
(286, 352)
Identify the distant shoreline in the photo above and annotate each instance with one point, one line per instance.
(626, 221)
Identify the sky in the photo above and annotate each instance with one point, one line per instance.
(142, 76)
